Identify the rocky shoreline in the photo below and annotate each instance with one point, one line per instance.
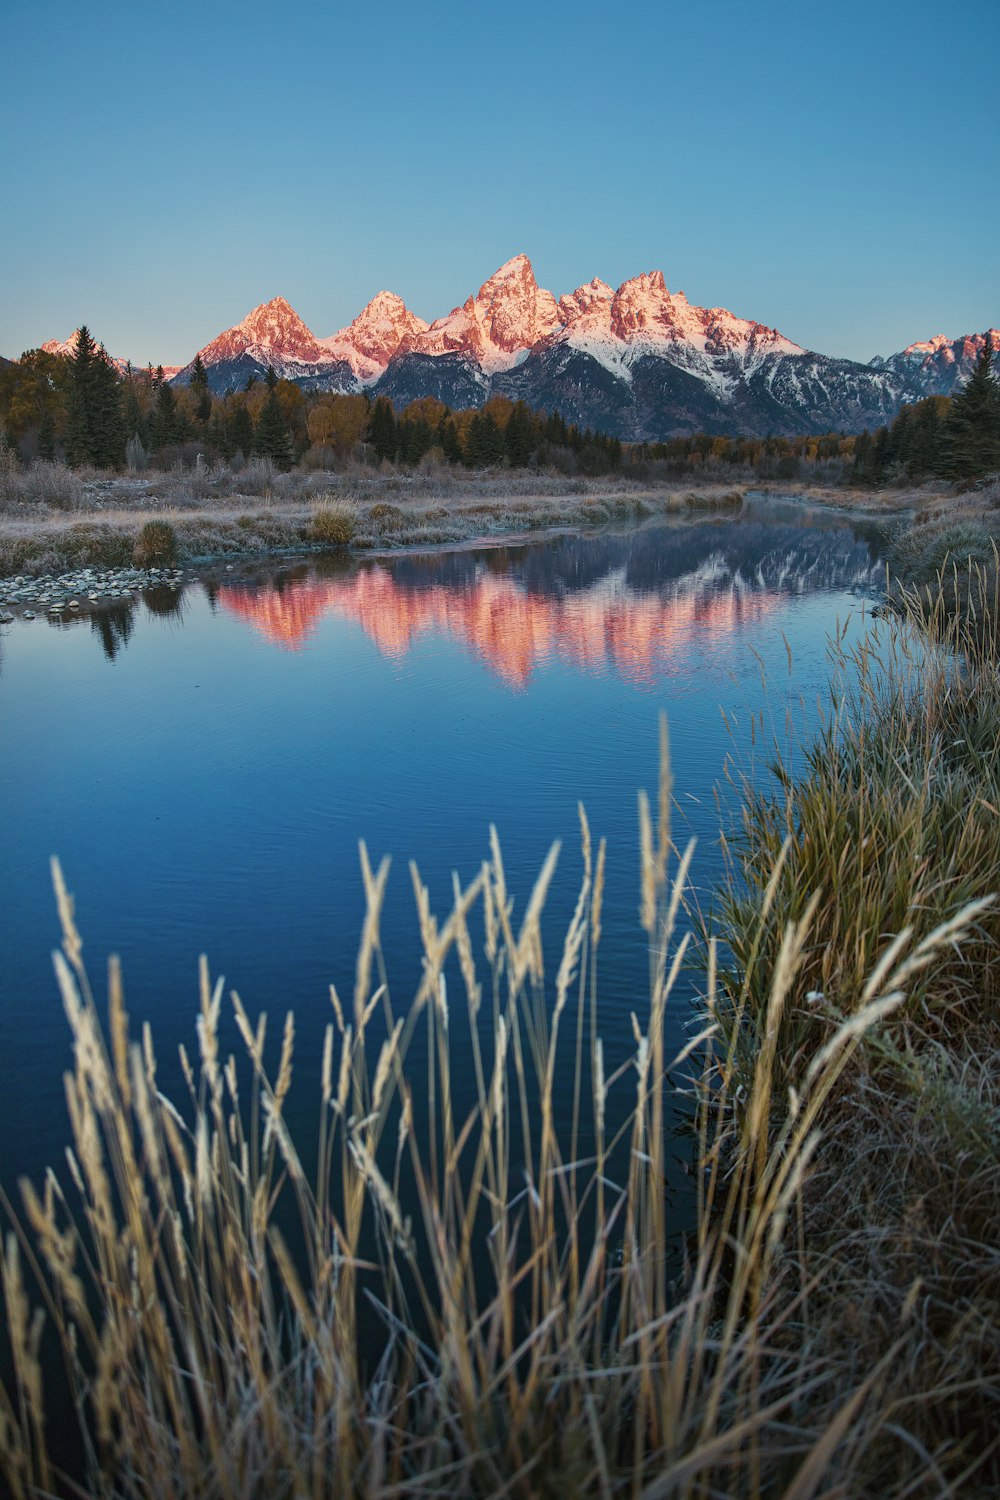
(82, 591)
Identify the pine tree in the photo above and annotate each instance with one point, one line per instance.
(164, 425)
(78, 438)
(384, 438)
(200, 389)
(484, 445)
(448, 438)
(240, 430)
(272, 437)
(518, 436)
(46, 435)
(971, 437)
(108, 424)
(96, 431)
(134, 416)
(862, 454)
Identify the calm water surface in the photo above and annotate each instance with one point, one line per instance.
(205, 763)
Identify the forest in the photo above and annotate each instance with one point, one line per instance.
(91, 414)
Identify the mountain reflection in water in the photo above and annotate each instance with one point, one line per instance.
(629, 601)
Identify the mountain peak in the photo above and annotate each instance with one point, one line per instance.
(67, 348)
(512, 312)
(274, 321)
(381, 329)
(271, 334)
(518, 268)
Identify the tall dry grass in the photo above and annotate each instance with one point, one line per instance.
(893, 827)
(210, 1295)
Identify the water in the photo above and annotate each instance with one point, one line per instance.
(204, 764)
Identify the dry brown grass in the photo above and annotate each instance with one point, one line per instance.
(207, 1291)
(893, 827)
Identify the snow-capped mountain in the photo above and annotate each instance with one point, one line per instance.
(375, 337)
(272, 334)
(67, 348)
(640, 362)
(939, 363)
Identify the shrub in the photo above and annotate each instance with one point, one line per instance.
(258, 477)
(45, 483)
(156, 545)
(136, 457)
(384, 512)
(334, 525)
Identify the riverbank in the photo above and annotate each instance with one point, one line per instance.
(71, 523)
(889, 832)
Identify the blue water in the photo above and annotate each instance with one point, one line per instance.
(204, 764)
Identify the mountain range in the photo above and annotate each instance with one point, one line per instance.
(639, 362)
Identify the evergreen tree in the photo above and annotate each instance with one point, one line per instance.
(134, 416)
(200, 390)
(448, 438)
(384, 438)
(163, 429)
(519, 438)
(81, 398)
(219, 435)
(241, 431)
(484, 445)
(96, 429)
(46, 435)
(971, 437)
(555, 430)
(108, 423)
(272, 437)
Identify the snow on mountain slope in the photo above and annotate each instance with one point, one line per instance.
(375, 336)
(272, 334)
(638, 361)
(509, 315)
(67, 348)
(937, 365)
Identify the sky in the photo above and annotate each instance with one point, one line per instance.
(829, 169)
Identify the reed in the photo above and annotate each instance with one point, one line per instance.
(537, 1333)
(888, 835)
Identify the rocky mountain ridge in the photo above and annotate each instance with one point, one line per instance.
(640, 362)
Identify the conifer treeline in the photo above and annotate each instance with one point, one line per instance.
(84, 408)
(945, 437)
(102, 419)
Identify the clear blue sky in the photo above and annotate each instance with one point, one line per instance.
(831, 169)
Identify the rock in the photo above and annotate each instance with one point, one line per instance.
(29, 614)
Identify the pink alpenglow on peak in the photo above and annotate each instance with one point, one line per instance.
(272, 334)
(380, 331)
(645, 312)
(495, 329)
(957, 350)
(638, 361)
(67, 349)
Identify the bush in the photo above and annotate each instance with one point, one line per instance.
(334, 525)
(258, 477)
(156, 545)
(44, 483)
(385, 516)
